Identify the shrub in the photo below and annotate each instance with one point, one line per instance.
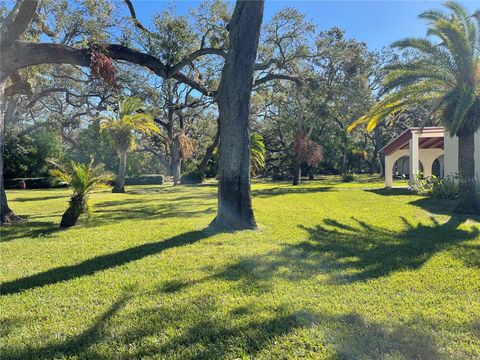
(439, 188)
(34, 183)
(348, 178)
(154, 179)
(281, 177)
(192, 177)
(82, 178)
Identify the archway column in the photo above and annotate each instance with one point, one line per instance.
(389, 162)
(414, 158)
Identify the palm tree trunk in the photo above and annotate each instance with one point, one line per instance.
(76, 208)
(234, 196)
(468, 202)
(122, 168)
(297, 178)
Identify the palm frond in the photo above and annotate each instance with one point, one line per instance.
(447, 75)
(257, 153)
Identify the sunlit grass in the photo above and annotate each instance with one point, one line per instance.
(336, 270)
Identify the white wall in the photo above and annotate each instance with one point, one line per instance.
(451, 155)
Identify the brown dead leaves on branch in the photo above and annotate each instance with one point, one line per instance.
(306, 150)
(186, 145)
(102, 66)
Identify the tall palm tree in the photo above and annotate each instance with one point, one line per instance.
(83, 178)
(447, 74)
(122, 128)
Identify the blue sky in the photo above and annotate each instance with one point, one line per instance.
(378, 23)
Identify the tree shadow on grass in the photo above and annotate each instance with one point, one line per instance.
(99, 263)
(78, 345)
(203, 331)
(28, 229)
(351, 253)
(289, 190)
(436, 206)
(40, 198)
(373, 252)
(392, 191)
(162, 211)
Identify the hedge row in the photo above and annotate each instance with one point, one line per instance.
(47, 183)
(154, 179)
(33, 183)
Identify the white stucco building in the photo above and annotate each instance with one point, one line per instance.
(451, 155)
(432, 151)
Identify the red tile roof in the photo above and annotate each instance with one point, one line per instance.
(402, 141)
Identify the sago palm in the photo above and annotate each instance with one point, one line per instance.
(447, 75)
(122, 128)
(83, 178)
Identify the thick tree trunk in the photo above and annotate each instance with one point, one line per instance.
(122, 168)
(297, 177)
(468, 202)
(209, 153)
(234, 197)
(344, 168)
(382, 165)
(6, 215)
(178, 172)
(176, 160)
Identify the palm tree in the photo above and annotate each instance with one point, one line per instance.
(257, 153)
(83, 178)
(121, 128)
(447, 74)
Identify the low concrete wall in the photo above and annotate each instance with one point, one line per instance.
(451, 155)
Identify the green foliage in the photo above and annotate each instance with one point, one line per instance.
(128, 120)
(439, 188)
(192, 177)
(257, 153)
(34, 183)
(348, 177)
(83, 178)
(25, 154)
(150, 179)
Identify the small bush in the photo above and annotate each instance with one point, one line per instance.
(192, 177)
(439, 188)
(154, 179)
(348, 178)
(282, 177)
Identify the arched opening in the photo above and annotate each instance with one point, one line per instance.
(401, 168)
(438, 167)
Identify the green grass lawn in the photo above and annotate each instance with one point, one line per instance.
(335, 271)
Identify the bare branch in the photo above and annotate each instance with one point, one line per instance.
(270, 77)
(18, 21)
(135, 20)
(193, 56)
